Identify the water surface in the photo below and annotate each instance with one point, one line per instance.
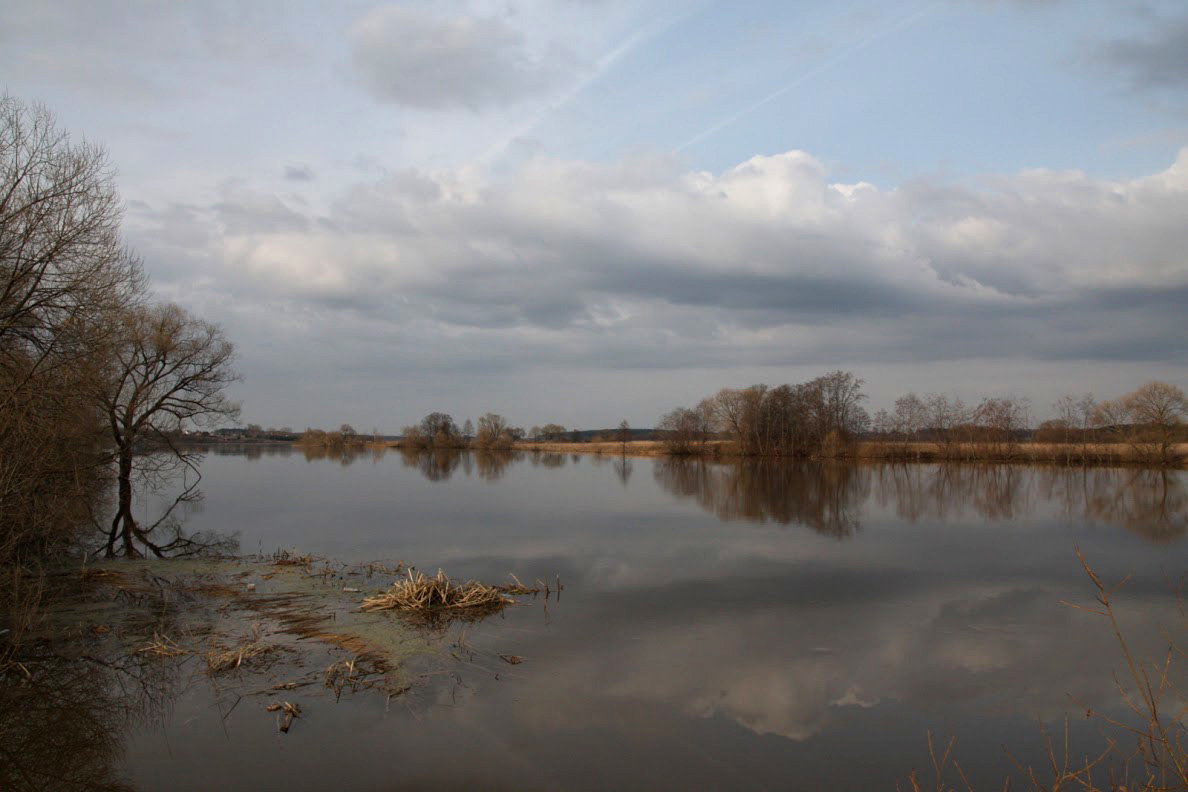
(763, 625)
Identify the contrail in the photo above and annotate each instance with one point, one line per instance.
(718, 127)
(600, 67)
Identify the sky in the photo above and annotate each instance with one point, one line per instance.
(584, 211)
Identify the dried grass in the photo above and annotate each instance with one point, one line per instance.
(221, 658)
(162, 646)
(421, 593)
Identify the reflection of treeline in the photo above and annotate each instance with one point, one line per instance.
(63, 729)
(1150, 503)
(440, 464)
(345, 454)
(824, 418)
(829, 496)
(824, 497)
(78, 694)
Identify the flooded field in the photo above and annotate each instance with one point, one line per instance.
(757, 625)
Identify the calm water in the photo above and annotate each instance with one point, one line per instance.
(786, 626)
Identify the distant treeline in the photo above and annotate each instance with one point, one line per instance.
(825, 417)
(344, 437)
(438, 430)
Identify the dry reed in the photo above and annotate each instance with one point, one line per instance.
(421, 593)
(162, 646)
(221, 658)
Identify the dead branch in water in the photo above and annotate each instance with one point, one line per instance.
(288, 710)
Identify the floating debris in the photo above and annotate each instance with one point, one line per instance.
(288, 712)
(511, 659)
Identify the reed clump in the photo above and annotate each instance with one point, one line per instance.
(423, 594)
(222, 658)
(162, 646)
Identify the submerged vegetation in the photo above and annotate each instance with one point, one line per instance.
(264, 634)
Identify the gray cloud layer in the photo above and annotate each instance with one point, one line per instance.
(1154, 61)
(412, 57)
(638, 264)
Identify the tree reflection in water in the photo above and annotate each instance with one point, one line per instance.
(344, 455)
(62, 729)
(623, 470)
(548, 459)
(829, 497)
(1150, 503)
(825, 497)
(441, 464)
(66, 711)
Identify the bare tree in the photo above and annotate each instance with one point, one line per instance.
(552, 431)
(168, 371)
(1161, 409)
(63, 270)
(439, 424)
(842, 395)
(1150, 418)
(623, 435)
(1075, 417)
(911, 417)
(678, 430)
(946, 417)
(1002, 421)
(493, 432)
(63, 276)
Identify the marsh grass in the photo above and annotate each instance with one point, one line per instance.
(162, 646)
(419, 593)
(222, 658)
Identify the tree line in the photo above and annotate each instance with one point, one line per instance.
(438, 430)
(92, 368)
(826, 417)
(786, 420)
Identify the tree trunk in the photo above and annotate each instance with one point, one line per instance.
(124, 524)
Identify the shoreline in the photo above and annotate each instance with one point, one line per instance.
(1072, 454)
(1068, 454)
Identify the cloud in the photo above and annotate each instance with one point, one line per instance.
(299, 173)
(641, 265)
(1155, 61)
(412, 57)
